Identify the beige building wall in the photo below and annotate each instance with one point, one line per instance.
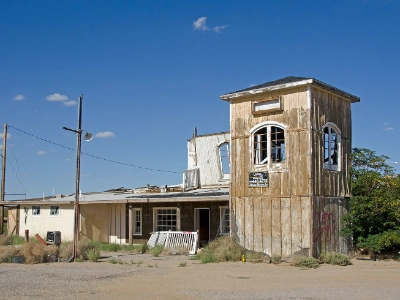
(43, 223)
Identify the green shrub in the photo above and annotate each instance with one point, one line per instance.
(388, 241)
(113, 261)
(222, 249)
(94, 254)
(182, 264)
(306, 262)
(335, 258)
(157, 250)
(276, 259)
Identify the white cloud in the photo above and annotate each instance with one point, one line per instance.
(67, 159)
(218, 29)
(200, 24)
(105, 134)
(41, 152)
(69, 103)
(19, 97)
(57, 97)
(2, 135)
(388, 128)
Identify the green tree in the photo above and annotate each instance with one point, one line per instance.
(375, 204)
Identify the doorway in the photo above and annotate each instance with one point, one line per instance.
(202, 224)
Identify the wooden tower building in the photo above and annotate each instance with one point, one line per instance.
(290, 163)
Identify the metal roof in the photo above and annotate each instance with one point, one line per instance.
(209, 194)
(284, 83)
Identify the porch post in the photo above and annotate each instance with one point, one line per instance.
(130, 225)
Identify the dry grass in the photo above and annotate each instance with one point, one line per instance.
(7, 252)
(222, 249)
(35, 253)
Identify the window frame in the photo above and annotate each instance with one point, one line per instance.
(224, 176)
(134, 210)
(276, 105)
(222, 215)
(155, 218)
(58, 211)
(267, 165)
(36, 215)
(327, 165)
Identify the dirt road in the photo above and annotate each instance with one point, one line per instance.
(142, 276)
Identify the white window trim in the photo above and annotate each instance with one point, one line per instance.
(134, 210)
(221, 219)
(268, 165)
(59, 211)
(327, 166)
(40, 211)
(224, 176)
(178, 217)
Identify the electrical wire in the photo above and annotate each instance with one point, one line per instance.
(16, 175)
(94, 156)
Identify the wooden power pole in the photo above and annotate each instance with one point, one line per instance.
(3, 178)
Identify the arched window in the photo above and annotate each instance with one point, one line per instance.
(268, 142)
(332, 142)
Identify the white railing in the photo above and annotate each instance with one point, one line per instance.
(175, 239)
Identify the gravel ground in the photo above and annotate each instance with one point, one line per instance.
(143, 276)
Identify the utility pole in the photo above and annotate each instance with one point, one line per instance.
(87, 137)
(3, 179)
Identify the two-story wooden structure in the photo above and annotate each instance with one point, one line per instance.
(290, 163)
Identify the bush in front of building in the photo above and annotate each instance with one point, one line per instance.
(335, 258)
(222, 249)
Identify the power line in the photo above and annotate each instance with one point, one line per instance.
(93, 156)
(16, 175)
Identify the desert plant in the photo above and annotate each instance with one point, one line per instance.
(65, 251)
(306, 262)
(335, 258)
(143, 248)
(222, 249)
(276, 259)
(182, 264)
(94, 254)
(7, 252)
(34, 253)
(113, 261)
(157, 250)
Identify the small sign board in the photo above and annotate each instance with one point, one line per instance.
(258, 179)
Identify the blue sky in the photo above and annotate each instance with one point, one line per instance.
(150, 71)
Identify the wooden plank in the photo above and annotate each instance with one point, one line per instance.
(316, 233)
(257, 225)
(296, 224)
(240, 220)
(267, 225)
(286, 227)
(303, 170)
(276, 227)
(249, 223)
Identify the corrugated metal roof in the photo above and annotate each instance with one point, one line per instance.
(209, 194)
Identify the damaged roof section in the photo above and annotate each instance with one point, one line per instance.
(122, 195)
(287, 82)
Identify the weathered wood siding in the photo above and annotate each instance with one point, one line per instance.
(274, 220)
(187, 211)
(331, 190)
(303, 205)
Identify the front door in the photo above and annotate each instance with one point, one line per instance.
(202, 219)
